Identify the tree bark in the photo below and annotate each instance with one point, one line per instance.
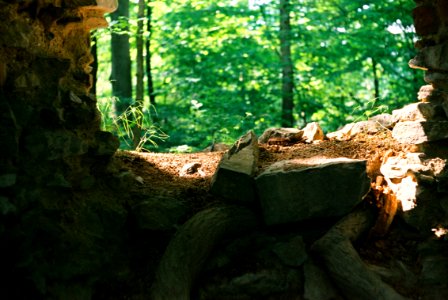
(376, 81)
(139, 95)
(121, 60)
(191, 246)
(286, 64)
(152, 95)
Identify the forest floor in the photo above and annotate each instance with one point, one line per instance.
(160, 175)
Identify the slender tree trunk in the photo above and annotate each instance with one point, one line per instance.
(376, 81)
(121, 61)
(286, 64)
(139, 96)
(94, 52)
(152, 96)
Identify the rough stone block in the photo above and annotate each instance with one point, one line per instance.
(435, 57)
(233, 180)
(418, 132)
(425, 20)
(293, 134)
(418, 112)
(313, 132)
(304, 189)
(437, 79)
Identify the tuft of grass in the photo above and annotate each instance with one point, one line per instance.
(122, 126)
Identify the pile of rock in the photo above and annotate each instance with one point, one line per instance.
(280, 220)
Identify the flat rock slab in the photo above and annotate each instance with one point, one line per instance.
(418, 132)
(304, 189)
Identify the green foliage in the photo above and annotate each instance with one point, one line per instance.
(123, 124)
(216, 66)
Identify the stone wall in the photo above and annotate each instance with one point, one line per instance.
(52, 215)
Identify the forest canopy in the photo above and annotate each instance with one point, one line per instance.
(180, 75)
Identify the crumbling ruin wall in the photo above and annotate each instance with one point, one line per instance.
(52, 215)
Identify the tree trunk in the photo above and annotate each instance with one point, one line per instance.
(94, 52)
(376, 81)
(152, 96)
(139, 96)
(286, 64)
(121, 61)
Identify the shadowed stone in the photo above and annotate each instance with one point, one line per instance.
(304, 189)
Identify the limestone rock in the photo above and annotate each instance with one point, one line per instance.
(292, 134)
(298, 190)
(421, 111)
(350, 130)
(233, 180)
(385, 120)
(425, 93)
(417, 132)
(313, 132)
(434, 57)
(437, 79)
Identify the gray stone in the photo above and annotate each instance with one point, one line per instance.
(159, 213)
(292, 253)
(318, 285)
(420, 111)
(439, 80)
(313, 132)
(233, 179)
(385, 120)
(350, 130)
(417, 132)
(434, 57)
(283, 133)
(303, 189)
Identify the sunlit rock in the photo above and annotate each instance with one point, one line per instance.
(313, 132)
(417, 132)
(233, 180)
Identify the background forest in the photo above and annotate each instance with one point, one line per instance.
(179, 75)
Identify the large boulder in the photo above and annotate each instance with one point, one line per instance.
(234, 178)
(304, 189)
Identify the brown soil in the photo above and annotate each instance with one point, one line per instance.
(161, 173)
